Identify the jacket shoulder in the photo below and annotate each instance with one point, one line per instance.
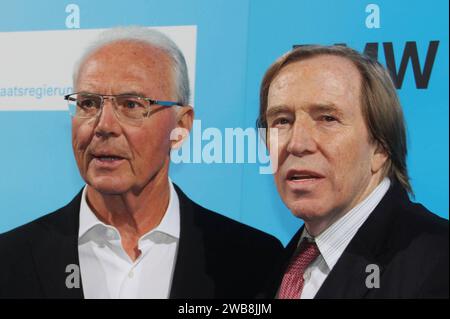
(62, 220)
(416, 223)
(420, 249)
(216, 226)
(221, 226)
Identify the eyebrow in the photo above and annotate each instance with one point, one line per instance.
(328, 108)
(275, 110)
(140, 94)
(319, 107)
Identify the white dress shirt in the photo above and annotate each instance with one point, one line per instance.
(106, 269)
(333, 241)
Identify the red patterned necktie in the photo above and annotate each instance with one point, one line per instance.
(292, 284)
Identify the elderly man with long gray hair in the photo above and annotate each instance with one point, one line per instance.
(341, 168)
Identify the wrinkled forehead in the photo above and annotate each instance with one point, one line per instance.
(319, 69)
(322, 76)
(125, 60)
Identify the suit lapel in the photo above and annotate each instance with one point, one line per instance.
(56, 250)
(343, 279)
(190, 278)
(348, 277)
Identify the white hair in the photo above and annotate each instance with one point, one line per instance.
(153, 38)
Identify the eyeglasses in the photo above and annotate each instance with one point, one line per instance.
(128, 107)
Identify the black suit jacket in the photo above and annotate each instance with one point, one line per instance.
(217, 257)
(408, 243)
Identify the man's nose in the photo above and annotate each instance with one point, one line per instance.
(302, 140)
(107, 122)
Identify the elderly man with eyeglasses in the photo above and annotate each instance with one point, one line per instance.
(131, 232)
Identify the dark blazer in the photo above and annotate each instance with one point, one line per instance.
(217, 257)
(408, 243)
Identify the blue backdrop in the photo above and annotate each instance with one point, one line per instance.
(236, 41)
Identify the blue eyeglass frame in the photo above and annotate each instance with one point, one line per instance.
(103, 96)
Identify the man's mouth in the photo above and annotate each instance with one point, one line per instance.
(108, 158)
(302, 175)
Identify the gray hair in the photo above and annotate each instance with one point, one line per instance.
(151, 37)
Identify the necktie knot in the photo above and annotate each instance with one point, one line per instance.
(292, 284)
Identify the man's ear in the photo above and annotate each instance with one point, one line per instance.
(379, 158)
(185, 119)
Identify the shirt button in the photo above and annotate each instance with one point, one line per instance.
(131, 274)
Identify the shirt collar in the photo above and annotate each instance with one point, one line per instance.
(333, 241)
(169, 225)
